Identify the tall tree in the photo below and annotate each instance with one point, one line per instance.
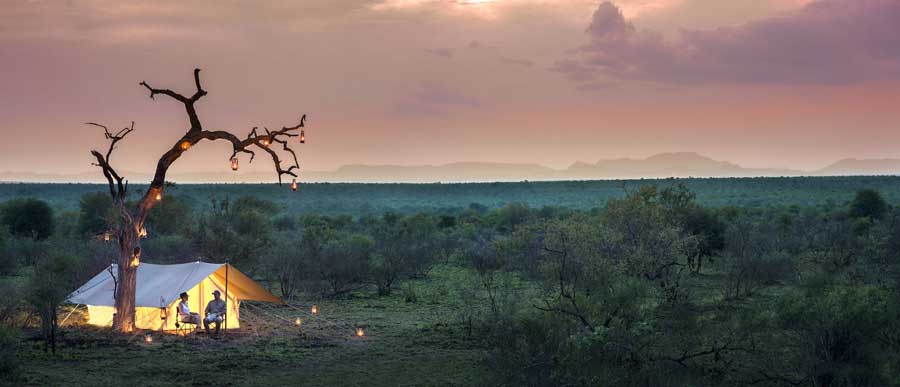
(132, 216)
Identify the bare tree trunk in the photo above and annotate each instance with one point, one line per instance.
(129, 254)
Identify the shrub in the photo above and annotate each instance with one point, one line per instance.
(28, 217)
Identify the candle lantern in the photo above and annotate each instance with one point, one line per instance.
(297, 322)
(142, 233)
(135, 262)
(294, 185)
(185, 145)
(234, 164)
(360, 332)
(315, 309)
(106, 236)
(158, 196)
(302, 137)
(148, 339)
(265, 141)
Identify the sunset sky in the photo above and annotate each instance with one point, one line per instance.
(762, 83)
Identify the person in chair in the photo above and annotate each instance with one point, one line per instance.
(215, 312)
(184, 311)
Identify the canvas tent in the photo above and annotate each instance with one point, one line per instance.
(158, 287)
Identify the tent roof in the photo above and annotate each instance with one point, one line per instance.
(160, 285)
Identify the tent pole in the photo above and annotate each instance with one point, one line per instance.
(227, 313)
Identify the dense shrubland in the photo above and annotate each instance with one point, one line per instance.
(648, 288)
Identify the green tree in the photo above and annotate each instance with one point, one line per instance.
(96, 211)
(868, 203)
(28, 217)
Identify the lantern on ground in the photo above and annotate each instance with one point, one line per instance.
(315, 309)
(185, 145)
(234, 164)
(297, 322)
(294, 185)
(106, 236)
(302, 137)
(360, 332)
(148, 339)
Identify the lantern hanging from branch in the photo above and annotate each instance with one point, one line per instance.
(360, 332)
(315, 309)
(294, 185)
(185, 145)
(148, 339)
(298, 322)
(135, 262)
(302, 137)
(159, 196)
(234, 164)
(265, 141)
(143, 232)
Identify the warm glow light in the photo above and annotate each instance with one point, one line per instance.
(142, 233)
(297, 322)
(294, 185)
(302, 137)
(185, 145)
(106, 236)
(135, 262)
(265, 141)
(360, 332)
(158, 196)
(148, 339)
(315, 309)
(234, 164)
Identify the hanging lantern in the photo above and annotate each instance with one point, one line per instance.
(265, 141)
(159, 196)
(185, 145)
(315, 309)
(135, 262)
(142, 233)
(297, 322)
(302, 137)
(294, 185)
(234, 164)
(148, 339)
(106, 236)
(360, 332)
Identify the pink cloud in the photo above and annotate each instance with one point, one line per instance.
(825, 42)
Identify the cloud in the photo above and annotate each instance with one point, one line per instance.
(435, 98)
(825, 42)
(516, 61)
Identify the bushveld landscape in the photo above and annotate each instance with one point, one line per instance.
(656, 283)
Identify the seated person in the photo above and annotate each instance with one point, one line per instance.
(215, 312)
(184, 311)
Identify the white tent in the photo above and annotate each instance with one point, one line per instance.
(158, 288)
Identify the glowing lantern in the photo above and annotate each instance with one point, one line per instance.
(302, 137)
(234, 164)
(185, 145)
(135, 262)
(265, 141)
(106, 236)
(294, 185)
(297, 322)
(360, 332)
(148, 339)
(315, 309)
(142, 233)
(158, 196)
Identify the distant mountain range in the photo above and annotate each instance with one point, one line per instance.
(678, 164)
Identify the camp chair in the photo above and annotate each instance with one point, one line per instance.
(182, 327)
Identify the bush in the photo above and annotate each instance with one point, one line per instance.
(9, 356)
(868, 203)
(95, 213)
(28, 217)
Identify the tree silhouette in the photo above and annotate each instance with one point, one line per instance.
(131, 216)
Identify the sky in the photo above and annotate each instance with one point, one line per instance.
(762, 83)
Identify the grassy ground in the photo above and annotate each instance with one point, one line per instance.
(416, 343)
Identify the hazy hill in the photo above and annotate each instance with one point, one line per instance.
(663, 165)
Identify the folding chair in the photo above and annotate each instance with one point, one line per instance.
(184, 327)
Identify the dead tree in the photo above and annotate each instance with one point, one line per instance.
(131, 216)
